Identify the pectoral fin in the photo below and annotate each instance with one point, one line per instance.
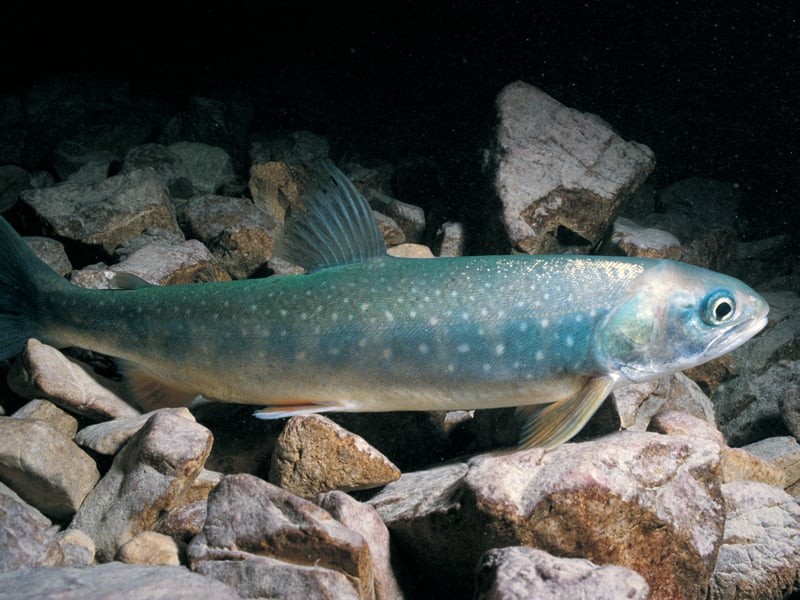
(151, 393)
(292, 410)
(549, 426)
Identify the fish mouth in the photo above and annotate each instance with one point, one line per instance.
(734, 337)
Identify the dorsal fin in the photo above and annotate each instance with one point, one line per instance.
(335, 226)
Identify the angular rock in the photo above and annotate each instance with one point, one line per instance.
(149, 477)
(163, 161)
(114, 580)
(560, 174)
(207, 168)
(784, 453)
(392, 234)
(240, 236)
(274, 186)
(45, 467)
(410, 218)
(452, 241)
(172, 262)
(634, 240)
(652, 503)
(637, 403)
(519, 573)
(108, 213)
(150, 548)
(249, 518)
(185, 522)
(109, 437)
(77, 547)
(50, 251)
(737, 464)
(364, 520)
(41, 371)
(50, 414)
(760, 554)
(27, 538)
(313, 454)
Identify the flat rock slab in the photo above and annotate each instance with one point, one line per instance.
(113, 580)
(520, 573)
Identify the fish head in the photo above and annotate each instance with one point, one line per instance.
(676, 316)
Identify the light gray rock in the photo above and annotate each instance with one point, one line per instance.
(559, 171)
(107, 213)
(313, 454)
(164, 162)
(363, 519)
(171, 262)
(109, 437)
(631, 239)
(452, 239)
(208, 168)
(27, 538)
(645, 501)
(49, 413)
(150, 476)
(519, 573)
(275, 524)
(240, 235)
(45, 467)
(637, 403)
(114, 580)
(51, 252)
(41, 371)
(760, 555)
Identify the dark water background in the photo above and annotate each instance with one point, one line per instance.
(712, 87)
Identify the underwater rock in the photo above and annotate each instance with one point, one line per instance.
(560, 174)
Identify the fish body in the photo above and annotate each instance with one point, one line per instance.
(365, 332)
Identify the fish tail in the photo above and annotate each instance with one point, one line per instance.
(25, 282)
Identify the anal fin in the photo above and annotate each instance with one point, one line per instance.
(550, 425)
(281, 411)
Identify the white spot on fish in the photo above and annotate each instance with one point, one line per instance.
(593, 313)
(515, 365)
(523, 327)
(578, 318)
(487, 367)
(539, 355)
(334, 316)
(300, 356)
(226, 303)
(463, 348)
(333, 351)
(362, 342)
(283, 312)
(215, 316)
(465, 316)
(254, 308)
(364, 307)
(499, 349)
(303, 316)
(389, 316)
(451, 368)
(544, 323)
(434, 321)
(423, 348)
(413, 314)
(454, 294)
(387, 353)
(569, 341)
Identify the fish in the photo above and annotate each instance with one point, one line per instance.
(362, 331)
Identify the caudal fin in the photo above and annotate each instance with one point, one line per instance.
(24, 282)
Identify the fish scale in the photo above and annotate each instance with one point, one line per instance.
(364, 331)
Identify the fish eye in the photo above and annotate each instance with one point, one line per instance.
(718, 307)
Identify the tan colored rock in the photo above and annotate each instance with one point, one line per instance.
(782, 452)
(410, 251)
(41, 371)
(149, 477)
(150, 548)
(313, 454)
(648, 502)
(632, 239)
(520, 573)
(278, 526)
(77, 547)
(45, 467)
(410, 218)
(274, 186)
(760, 554)
(740, 465)
(392, 234)
(364, 520)
(49, 413)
